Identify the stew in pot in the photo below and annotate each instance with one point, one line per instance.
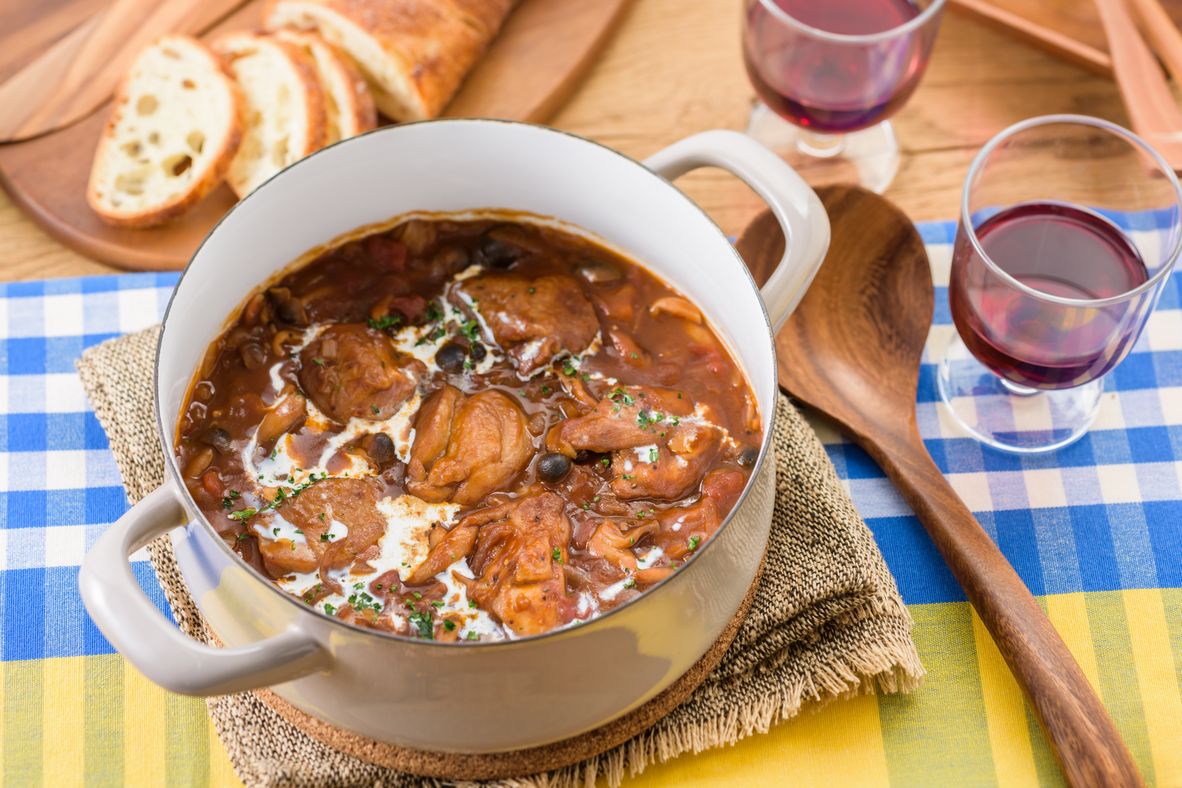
(467, 430)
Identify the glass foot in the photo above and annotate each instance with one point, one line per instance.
(869, 157)
(1009, 417)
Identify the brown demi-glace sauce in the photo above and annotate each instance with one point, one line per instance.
(467, 430)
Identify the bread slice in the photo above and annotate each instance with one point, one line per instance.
(348, 104)
(284, 118)
(413, 53)
(174, 128)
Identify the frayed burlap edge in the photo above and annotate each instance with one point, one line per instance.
(826, 622)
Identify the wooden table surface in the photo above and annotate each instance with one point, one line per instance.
(674, 67)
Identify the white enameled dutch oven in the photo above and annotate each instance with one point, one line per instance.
(479, 697)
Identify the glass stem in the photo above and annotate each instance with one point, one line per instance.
(822, 146)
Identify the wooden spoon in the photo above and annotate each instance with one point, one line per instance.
(852, 351)
(1154, 113)
(72, 78)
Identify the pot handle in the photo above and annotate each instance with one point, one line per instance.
(151, 643)
(801, 215)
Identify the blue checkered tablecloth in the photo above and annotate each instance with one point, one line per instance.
(1096, 522)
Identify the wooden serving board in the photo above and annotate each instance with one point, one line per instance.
(1069, 28)
(531, 68)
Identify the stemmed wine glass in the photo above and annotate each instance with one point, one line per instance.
(1069, 228)
(829, 73)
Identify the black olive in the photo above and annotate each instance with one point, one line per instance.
(748, 457)
(498, 254)
(552, 466)
(217, 438)
(478, 352)
(380, 449)
(450, 357)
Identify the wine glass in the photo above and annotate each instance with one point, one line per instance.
(1069, 228)
(828, 74)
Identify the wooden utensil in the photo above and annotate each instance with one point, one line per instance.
(1151, 106)
(80, 71)
(532, 66)
(852, 351)
(1067, 28)
(1163, 35)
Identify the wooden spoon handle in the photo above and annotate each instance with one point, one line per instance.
(1147, 97)
(1089, 748)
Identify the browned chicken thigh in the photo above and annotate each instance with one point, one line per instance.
(520, 549)
(659, 449)
(534, 319)
(350, 371)
(467, 446)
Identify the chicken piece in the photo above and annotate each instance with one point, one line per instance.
(350, 502)
(613, 544)
(626, 418)
(518, 561)
(467, 447)
(654, 453)
(456, 544)
(684, 526)
(534, 319)
(668, 468)
(350, 372)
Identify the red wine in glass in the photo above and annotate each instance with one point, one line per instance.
(828, 84)
(1057, 249)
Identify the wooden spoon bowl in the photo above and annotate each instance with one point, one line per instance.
(852, 351)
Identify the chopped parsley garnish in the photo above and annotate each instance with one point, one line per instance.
(470, 329)
(674, 420)
(384, 322)
(472, 635)
(326, 537)
(231, 496)
(417, 595)
(642, 514)
(436, 603)
(629, 583)
(694, 541)
(318, 362)
(626, 476)
(545, 391)
(621, 396)
(330, 609)
(556, 554)
(449, 625)
(568, 367)
(471, 603)
(281, 495)
(646, 419)
(275, 530)
(606, 462)
(533, 290)
(434, 336)
(433, 313)
(374, 409)
(422, 624)
(634, 355)
(652, 454)
(362, 601)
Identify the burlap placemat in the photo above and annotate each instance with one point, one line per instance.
(826, 620)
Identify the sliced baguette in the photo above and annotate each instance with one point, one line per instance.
(348, 104)
(414, 54)
(284, 118)
(175, 125)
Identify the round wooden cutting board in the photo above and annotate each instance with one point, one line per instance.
(534, 64)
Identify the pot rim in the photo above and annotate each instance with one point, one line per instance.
(176, 479)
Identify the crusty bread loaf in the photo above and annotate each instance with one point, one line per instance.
(173, 131)
(284, 118)
(413, 53)
(348, 104)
